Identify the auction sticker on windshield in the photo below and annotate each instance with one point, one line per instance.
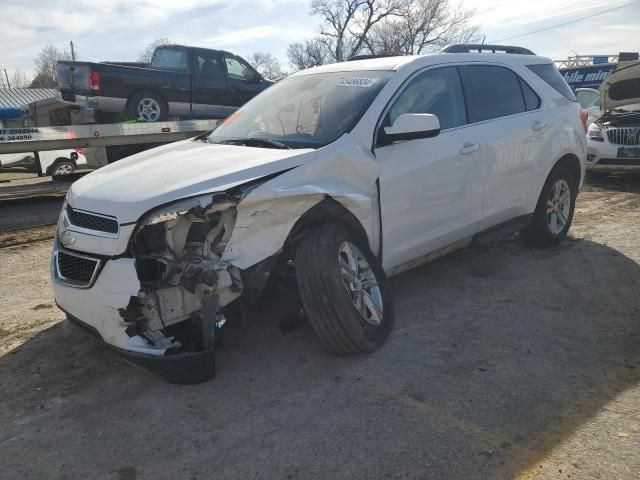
(356, 82)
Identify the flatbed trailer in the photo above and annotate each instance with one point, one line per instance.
(116, 135)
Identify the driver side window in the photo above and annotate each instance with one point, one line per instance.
(436, 91)
(238, 70)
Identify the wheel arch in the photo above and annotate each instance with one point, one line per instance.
(326, 211)
(571, 162)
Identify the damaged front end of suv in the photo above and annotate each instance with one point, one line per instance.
(183, 281)
(153, 251)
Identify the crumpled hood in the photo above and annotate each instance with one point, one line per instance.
(622, 87)
(131, 187)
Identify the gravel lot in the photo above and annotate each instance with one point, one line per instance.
(505, 362)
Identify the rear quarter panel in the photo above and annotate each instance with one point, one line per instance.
(563, 135)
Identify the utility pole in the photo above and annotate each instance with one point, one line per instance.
(73, 52)
(7, 77)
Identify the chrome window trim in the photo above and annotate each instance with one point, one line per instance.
(405, 84)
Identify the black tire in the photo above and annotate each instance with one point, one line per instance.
(326, 299)
(538, 232)
(61, 168)
(150, 98)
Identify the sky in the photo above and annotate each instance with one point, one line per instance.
(120, 29)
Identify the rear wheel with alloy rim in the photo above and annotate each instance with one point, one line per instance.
(554, 211)
(147, 106)
(343, 290)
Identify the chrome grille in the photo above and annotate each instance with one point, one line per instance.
(624, 136)
(74, 269)
(92, 221)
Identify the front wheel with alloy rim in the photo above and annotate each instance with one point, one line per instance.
(147, 106)
(554, 211)
(343, 290)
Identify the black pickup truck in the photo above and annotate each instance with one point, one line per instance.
(184, 82)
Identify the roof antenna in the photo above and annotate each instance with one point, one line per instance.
(483, 39)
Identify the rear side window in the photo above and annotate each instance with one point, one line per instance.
(436, 91)
(550, 74)
(491, 92)
(170, 59)
(531, 98)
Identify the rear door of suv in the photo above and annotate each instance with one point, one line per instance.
(510, 130)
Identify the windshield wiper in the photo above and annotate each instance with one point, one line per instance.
(255, 142)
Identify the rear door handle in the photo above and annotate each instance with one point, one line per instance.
(538, 125)
(469, 147)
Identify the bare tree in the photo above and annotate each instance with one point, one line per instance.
(19, 79)
(307, 54)
(267, 65)
(347, 23)
(43, 80)
(422, 26)
(391, 27)
(146, 55)
(46, 62)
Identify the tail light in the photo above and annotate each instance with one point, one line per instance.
(94, 80)
(79, 150)
(584, 116)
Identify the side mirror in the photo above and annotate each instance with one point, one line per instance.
(251, 76)
(411, 126)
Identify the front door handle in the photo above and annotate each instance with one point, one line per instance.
(469, 147)
(538, 125)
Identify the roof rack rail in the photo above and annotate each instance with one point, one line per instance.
(367, 57)
(481, 47)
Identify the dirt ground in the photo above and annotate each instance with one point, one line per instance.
(505, 362)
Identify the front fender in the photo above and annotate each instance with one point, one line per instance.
(267, 214)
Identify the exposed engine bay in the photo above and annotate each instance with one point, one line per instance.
(184, 282)
(627, 116)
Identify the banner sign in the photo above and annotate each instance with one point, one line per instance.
(587, 77)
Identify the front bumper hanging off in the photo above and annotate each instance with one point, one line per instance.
(185, 368)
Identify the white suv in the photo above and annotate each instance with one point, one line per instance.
(340, 176)
(613, 139)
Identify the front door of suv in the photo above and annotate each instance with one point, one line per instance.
(505, 113)
(431, 190)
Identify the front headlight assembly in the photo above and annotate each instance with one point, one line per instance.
(595, 133)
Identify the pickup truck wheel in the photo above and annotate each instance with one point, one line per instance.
(343, 290)
(64, 167)
(554, 211)
(148, 106)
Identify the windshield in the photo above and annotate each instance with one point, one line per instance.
(306, 111)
